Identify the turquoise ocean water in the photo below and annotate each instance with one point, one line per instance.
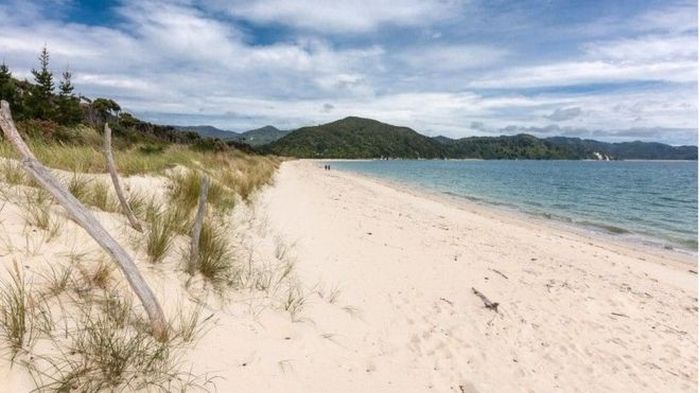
(650, 201)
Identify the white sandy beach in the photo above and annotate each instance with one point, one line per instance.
(387, 278)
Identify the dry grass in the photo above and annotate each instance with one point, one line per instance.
(215, 261)
(37, 212)
(113, 352)
(93, 192)
(294, 302)
(12, 173)
(184, 191)
(90, 159)
(103, 344)
(163, 227)
(21, 317)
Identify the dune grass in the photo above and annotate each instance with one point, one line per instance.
(15, 323)
(103, 342)
(163, 227)
(135, 160)
(37, 212)
(12, 173)
(111, 350)
(215, 261)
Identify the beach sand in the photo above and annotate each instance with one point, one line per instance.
(382, 297)
(575, 314)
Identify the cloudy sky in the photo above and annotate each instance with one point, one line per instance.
(610, 70)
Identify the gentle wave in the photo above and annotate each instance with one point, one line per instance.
(645, 198)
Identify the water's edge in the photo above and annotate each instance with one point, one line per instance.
(601, 230)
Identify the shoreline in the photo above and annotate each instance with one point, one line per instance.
(594, 231)
(575, 313)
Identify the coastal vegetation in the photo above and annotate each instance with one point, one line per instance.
(257, 137)
(70, 321)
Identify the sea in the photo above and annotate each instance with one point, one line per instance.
(654, 202)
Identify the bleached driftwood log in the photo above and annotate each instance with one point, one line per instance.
(87, 221)
(112, 168)
(198, 222)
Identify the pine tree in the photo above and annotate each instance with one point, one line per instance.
(69, 111)
(7, 86)
(41, 102)
(65, 87)
(8, 90)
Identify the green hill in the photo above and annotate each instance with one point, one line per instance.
(355, 137)
(629, 150)
(521, 146)
(261, 136)
(210, 132)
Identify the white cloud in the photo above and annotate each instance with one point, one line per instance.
(451, 58)
(343, 16)
(172, 62)
(658, 48)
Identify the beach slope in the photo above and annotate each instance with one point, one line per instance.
(398, 270)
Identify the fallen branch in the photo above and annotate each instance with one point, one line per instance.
(115, 180)
(198, 222)
(487, 303)
(87, 221)
(499, 273)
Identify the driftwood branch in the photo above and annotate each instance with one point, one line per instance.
(115, 180)
(499, 273)
(87, 221)
(198, 222)
(487, 303)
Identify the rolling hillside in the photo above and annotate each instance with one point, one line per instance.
(210, 132)
(355, 137)
(261, 136)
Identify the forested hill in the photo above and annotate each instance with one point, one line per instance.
(355, 137)
(630, 150)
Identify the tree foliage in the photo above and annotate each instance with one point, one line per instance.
(354, 137)
(41, 100)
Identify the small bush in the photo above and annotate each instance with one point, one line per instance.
(151, 149)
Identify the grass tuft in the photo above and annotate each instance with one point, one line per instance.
(16, 325)
(37, 212)
(294, 302)
(215, 260)
(184, 192)
(163, 228)
(12, 173)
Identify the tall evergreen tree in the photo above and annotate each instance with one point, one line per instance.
(65, 87)
(69, 111)
(41, 102)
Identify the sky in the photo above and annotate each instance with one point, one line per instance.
(609, 70)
